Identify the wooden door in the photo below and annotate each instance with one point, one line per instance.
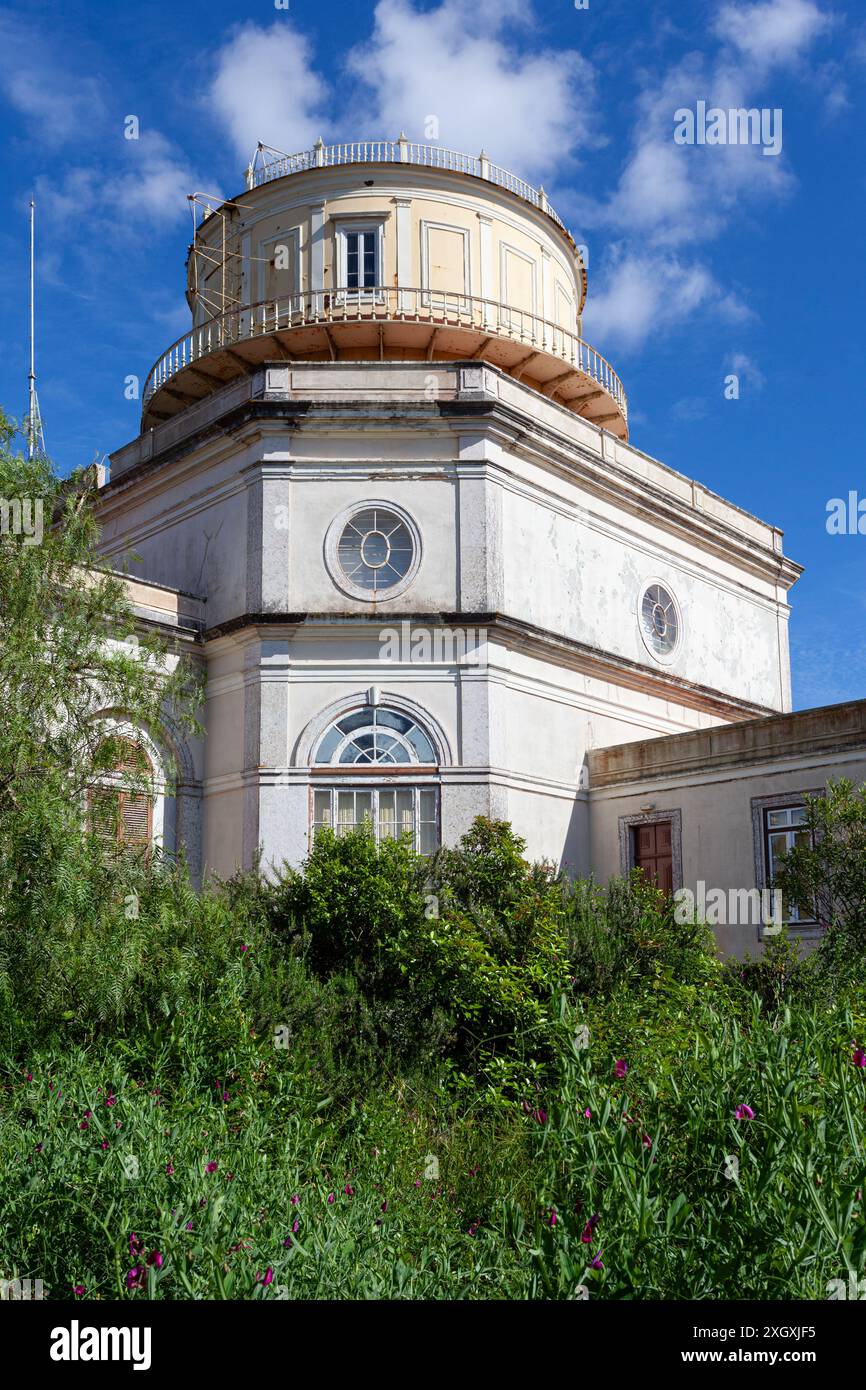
(653, 852)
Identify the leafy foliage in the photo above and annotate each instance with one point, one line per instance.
(828, 876)
(61, 662)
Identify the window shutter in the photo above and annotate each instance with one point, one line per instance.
(104, 813)
(135, 818)
(119, 816)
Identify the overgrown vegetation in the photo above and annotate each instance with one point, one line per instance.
(382, 1076)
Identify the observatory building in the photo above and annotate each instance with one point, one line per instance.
(384, 490)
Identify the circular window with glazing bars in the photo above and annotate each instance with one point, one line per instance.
(373, 550)
(659, 620)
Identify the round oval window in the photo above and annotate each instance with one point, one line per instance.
(660, 624)
(375, 549)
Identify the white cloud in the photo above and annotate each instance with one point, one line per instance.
(643, 293)
(530, 112)
(747, 369)
(35, 81)
(772, 32)
(147, 184)
(153, 180)
(267, 89)
(669, 197)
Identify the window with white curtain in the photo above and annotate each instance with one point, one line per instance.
(389, 812)
(359, 259)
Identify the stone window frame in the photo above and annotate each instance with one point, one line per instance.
(661, 658)
(358, 222)
(776, 802)
(332, 557)
(627, 824)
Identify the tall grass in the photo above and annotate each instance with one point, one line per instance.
(195, 1103)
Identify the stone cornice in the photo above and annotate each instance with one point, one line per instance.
(514, 427)
(804, 733)
(517, 635)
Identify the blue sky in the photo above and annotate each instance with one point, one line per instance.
(703, 261)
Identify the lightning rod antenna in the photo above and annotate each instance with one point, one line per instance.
(35, 436)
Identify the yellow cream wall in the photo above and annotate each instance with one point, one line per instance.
(477, 241)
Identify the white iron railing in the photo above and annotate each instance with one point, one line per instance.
(271, 164)
(387, 304)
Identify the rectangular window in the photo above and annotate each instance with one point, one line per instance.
(358, 258)
(361, 260)
(785, 827)
(390, 811)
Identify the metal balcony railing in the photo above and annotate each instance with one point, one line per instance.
(382, 305)
(271, 164)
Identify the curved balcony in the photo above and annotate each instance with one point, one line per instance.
(387, 323)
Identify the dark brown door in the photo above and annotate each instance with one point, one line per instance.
(653, 853)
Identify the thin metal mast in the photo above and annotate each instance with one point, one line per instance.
(35, 437)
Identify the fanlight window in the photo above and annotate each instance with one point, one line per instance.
(373, 735)
(660, 624)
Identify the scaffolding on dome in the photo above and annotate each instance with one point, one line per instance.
(207, 261)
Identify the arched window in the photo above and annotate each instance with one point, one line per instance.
(356, 747)
(375, 735)
(119, 809)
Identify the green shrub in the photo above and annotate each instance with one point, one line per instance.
(628, 931)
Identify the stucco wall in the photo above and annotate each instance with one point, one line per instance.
(711, 783)
(439, 229)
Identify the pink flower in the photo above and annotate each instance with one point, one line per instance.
(169, 1168)
(155, 1259)
(551, 1220)
(104, 1144)
(267, 1278)
(211, 1167)
(244, 949)
(295, 1199)
(596, 1263)
(84, 1125)
(647, 1142)
(330, 1199)
(587, 1114)
(859, 1057)
(189, 1225)
(744, 1112)
(349, 1191)
(296, 1226)
(111, 1099)
(621, 1068)
(474, 1227)
(540, 1116)
(384, 1206)
(590, 1226)
(77, 1289)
